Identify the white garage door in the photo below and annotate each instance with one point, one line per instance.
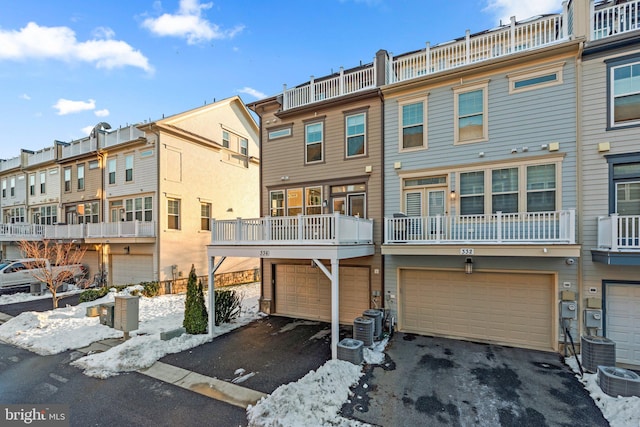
(131, 269)
(507, 308)
(305, 292)
(623, 321)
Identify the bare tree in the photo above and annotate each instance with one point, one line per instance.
(58, 254)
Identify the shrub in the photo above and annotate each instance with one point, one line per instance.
(151, 289)
(195, 312)
(227, 305)
(93, 294)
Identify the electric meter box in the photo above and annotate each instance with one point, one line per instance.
(593, 318)
(126, 313)
(105, 311)
(568, 309)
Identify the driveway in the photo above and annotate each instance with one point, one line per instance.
(441, 382)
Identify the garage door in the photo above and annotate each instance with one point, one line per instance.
(622, 320)
(305, 292)
(507, 308)
(131, 269)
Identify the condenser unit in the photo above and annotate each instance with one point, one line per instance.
(376, 315)
(618, 381)
(597, 351)
(351, 351)
(363, 330)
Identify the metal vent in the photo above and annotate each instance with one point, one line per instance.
(376, 315)
(597, 351)
(363, 330)
(351, 351)
(618, 381)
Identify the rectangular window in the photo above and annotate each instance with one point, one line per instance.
(32, 185)
(244, 146)
(93, 164)
(504, 190)
(45, 215)
(535, 81)
(412, 125)
(12, 186)
(279, 133)
(313, 200)
(80, 171)
(128, 168)
(205, 216)
(225, 139)
(294, 201)
(625, 102)
(540, 77)
(88, 213)
(173, 214)
(111, 169)
(277, 203)
(470, 107)
(67, 179)
(472, 193)
(137, 209)
(4, 187)
(541, 188)
(43, 182)
(628, 198)
(356, 135)
(313, 142)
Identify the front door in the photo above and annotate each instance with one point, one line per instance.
(436, 204)
(356, 205)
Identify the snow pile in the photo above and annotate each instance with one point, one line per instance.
(375, 354)
(68, 328)
(314, 400)
(619, 411)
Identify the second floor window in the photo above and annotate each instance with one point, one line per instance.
(32, 185)
(470, 107)
(111, 169)
(4, 187)
(625, 93)
(225, 139)
(412, 125)
(173, 214)
(356, 135)
(67, 179)
(244, 146)
(205, 216)
(128, 168)
(12, 186)
(43, 182)
(313, 142)
(81, 177)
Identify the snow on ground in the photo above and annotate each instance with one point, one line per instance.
(619, 411)
(68, 328)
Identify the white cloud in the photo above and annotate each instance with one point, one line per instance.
(188, 23)
(504, 9)
(87, 129)
(250, 91)
(103, 33)
(60, 43)
(67, 106)
(25, 96)
(101, 113)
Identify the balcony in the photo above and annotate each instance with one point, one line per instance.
(129, 231)
(615, 19)
(448, 234)
(302, 236)
(618, 240)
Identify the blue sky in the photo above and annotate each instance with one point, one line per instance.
(66, 65)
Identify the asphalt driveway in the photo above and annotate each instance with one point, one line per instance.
(440, 382)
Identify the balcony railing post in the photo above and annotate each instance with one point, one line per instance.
(467, 46)
(592, 16)
(614, 232)
(512, 34)
(427, 53)
(267, 228)
(300, 228)
(390, 70)
(564, 23)
(238, 229)
(312, 89)
(438, 228)
(336, 224)
(285, 97)
(214, 231)
(499, 226)
(136, 228)
(341, 82)
(572, 226)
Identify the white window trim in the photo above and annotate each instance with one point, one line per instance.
(425, 107)
(286, 133)
(346, 135)
(321, 142)
(612, 118)
(519, 76)
(471, 87)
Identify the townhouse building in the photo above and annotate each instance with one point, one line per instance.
(140, 199)
(610, 176)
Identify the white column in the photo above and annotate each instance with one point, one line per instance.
(335, 308)
(212, 295)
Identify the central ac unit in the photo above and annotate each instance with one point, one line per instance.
(597, 351)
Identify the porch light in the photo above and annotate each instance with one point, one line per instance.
(452, 195)
(468, 266)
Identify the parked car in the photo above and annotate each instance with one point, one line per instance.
(22, 272)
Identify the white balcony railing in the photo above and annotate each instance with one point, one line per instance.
(614, 19)
(17, 232)
(331, 229)
(499, 228)
(619, 232)
(333, 87)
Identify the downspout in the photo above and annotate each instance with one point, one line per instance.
(157, 209)
(579, 188)
(382, 177)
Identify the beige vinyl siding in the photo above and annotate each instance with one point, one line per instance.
(144, 172)
(92, 182)
(595, 171)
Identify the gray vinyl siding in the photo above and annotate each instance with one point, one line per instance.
(595, 172)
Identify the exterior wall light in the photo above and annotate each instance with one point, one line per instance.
(453, 195)
(468, 266)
